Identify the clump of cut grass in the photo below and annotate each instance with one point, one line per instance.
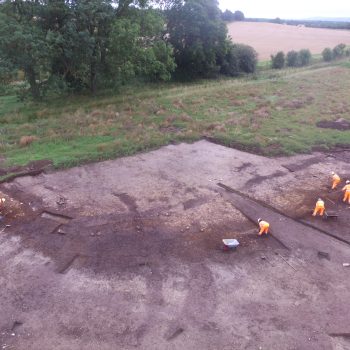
(27, 140)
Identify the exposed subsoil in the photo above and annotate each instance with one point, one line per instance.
(128, 254)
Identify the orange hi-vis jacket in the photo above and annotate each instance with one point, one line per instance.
(336, 178)
(320, 204)
(346, 188)
(263, 226)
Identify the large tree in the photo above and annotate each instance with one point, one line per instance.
(82, 43)
(198, 36)
(137, 47)
(93, 21)
(92, 44)
(23, 42)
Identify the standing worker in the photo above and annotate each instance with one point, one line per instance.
(264, 227)
(335, 179)
(346, 188)
(319, 208)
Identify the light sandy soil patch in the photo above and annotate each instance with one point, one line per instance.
(127, 254)
(269, 38)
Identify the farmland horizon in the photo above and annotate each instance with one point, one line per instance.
(297, 9)
(269, 38)
(311, 19)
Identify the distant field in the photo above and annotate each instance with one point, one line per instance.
(269, 38)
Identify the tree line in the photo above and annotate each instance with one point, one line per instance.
(306, 23)
(89, 45)
(303, 57)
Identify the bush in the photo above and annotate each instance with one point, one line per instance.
(339, 51)
(239, 16)
(237, 58)
(55, 86)
(247, 58)
(158, 62)
(6, 89)
(228, 16)
(278, 60)
(327, 54)
(292, 59)
(304, 57)
(229, 63)
(198, 36)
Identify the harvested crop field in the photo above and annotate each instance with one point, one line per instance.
(127, 254)
(269, 38)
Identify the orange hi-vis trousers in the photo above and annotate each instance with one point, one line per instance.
(336, 181)
(347, 196)
(346, 188)
(264, 227)
(319, 209)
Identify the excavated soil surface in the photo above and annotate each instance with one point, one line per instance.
(127, 254)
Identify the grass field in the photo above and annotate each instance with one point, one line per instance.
(269, 38)
(273, 113)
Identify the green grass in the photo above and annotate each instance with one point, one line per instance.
(8, 104)
(272, 113)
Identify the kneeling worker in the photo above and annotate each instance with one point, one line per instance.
(346, 188)
(319, 208)
(264, 227)
(335, 180)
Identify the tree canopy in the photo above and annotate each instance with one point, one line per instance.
(230, 16)
(81, 45)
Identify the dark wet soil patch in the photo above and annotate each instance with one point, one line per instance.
(75, 261)
(292, 167)
(129, 201)
(339, 124)
(341, 154)
(112, 243)
(330, 227)
(195, 202)
(33, 168)
(339, 213)
(244, 166)
(62, 219)
(175, 334)
(259, 178)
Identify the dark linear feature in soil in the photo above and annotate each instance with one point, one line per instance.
(340, 124)
(304, 164)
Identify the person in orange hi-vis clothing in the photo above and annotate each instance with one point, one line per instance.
(2, 201)
(346, 188)
(319, 208)
(264, 227)
(335, 180)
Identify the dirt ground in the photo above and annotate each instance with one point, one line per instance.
(127, 254)
(269, 38)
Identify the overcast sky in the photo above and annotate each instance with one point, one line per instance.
(288, 9)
